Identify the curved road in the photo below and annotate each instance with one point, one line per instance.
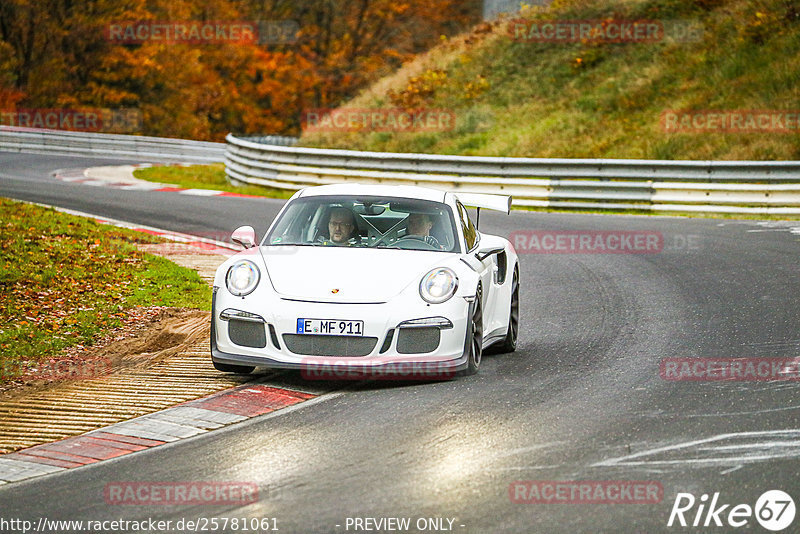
(582, 399)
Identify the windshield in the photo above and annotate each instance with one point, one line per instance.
(366, 222)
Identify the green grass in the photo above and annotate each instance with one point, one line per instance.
(585, 100)
(205, 177)
(67, 281)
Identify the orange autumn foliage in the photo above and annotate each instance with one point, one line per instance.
(58, 54)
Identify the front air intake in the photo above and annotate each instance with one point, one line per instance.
(417, 340)
(247, 333)
(317, 345)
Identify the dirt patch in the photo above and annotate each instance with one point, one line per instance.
(163, 341)
(160, 357)
(150, 334)
(150, 372)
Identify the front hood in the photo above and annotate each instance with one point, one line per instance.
(347, 275)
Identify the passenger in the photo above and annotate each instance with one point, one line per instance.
(419, 225)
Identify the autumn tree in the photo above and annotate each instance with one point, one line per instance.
(56, 53)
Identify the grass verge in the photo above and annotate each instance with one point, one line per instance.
(204, 177)
(511, 96)
(68, 281)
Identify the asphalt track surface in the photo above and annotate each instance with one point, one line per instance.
(582, 392)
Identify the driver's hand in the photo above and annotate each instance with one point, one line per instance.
(432, 241)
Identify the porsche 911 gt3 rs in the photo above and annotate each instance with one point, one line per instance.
(368, 277)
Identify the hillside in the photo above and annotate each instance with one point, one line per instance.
(514, 96)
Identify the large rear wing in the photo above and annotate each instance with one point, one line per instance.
(485, 200)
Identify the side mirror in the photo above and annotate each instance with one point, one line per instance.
(484, 253)
(245, 236)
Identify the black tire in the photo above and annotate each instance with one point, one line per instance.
(509, 344)
(475, 335)
(230, 368)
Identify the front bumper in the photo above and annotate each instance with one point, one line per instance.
(397, 337)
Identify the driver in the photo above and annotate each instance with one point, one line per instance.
(341, 225)
(419, 225)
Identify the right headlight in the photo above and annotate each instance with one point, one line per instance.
(438, 285)
(242, 278)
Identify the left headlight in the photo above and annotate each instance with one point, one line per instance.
(242, 278)
(438, 285)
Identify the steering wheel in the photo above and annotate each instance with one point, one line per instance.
(429, 241)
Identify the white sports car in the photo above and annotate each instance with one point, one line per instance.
(368, 280)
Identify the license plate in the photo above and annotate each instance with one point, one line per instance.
(331, 327)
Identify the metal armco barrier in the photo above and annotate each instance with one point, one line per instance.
(758, 187)
(282, 140)
(61, 142)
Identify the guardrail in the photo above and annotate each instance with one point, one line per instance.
(61, 142)
(655, 185)
(281, 140)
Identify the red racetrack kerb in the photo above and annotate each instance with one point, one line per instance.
(250, 401)
(151, 430)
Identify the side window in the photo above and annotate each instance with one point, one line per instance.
(470, 234)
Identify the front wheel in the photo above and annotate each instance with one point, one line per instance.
(475, 333)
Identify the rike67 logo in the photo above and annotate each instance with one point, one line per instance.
(774, 510)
